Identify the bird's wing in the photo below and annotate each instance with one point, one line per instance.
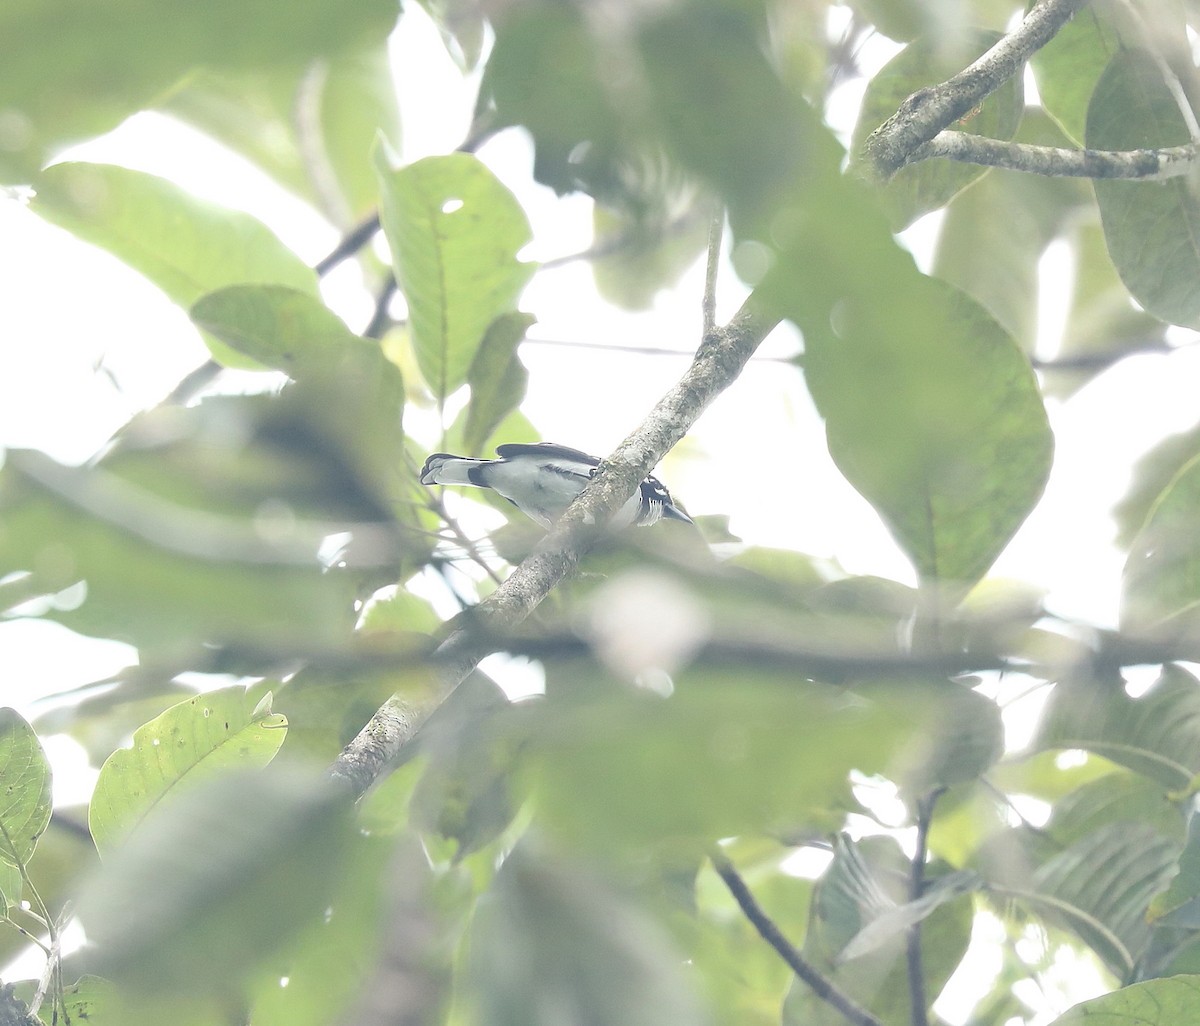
(548, 450)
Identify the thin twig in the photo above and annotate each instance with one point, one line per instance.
(381, 320)
(919, 1014)
(1154, 165)
(818, 982)
(709, 303)
(935, 108)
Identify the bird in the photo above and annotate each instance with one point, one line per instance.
(542, 479)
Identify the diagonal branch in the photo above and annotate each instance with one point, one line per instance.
(935, 108)
(722, 355)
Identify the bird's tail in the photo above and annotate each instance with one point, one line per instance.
(443, 469)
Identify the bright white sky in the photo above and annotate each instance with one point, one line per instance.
(85, 343)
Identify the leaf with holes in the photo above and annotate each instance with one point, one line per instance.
(189, 742)
(25, 812)
(454, 231)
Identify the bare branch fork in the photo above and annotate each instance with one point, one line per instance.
(719, 360)
(920, 130)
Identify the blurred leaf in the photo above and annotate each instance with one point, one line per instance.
(706, 762)
(161, 574)
(1101, 886)
(213, 884)
(1153, 474)
(109, 62)
(98, 1002)
(497, 378)
(310, 126)
(350, 395)
(184, 245)
(553, 944)
(1068, 67)
(461, 23)
(866, 879)
(323, 970)
(25, 804)
(717, 98)
(454, 232)
(933, 415)
(1161, 582)
(1115, 798)
(1151, 227)
(929, 184)
(543, 53)
(188, 743)
(1102, 323)
(994, 234)
(1179, 904)
(1153, 1003)
(1157, 734)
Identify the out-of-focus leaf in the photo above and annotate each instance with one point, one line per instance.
(184, 245)
(1102, 323)
(99, 1002)
(1157, 734)
(1179, 904)
(461, 23)
(717, 98)
(108, 62)
(705, 762)
(323, 970)
(1151, 227)
(212, 885)
(933, 414)
(544, 52)
(310, 126)
(553, 944)
(454, 231)
(1115, 798)
(497, 378)
(930, 184)
(350, 395)
(866, 880)
(1161, 582)
(995, 232)
(1153, 1003)
(25, 798)
(1152, 475)
(188, 743)
(162, 574)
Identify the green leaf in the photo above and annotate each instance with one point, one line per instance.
(1115, 798)
(321, 973)
(73, 73)
(214, 883)
(1151, 227)
(1156, 735)
(184, 245)
(188, 743)
(1161, 582)
(454, 232)
(1152, 475)
(551, 944)
(25, 798)
(1100, 889)
(1068, 67)
(929, 184)
(995, 232)
(310, 126)
(164, 574)
(1164, 1002)
(497, 378)
(640, 754)
(933, 414)
(1179, 904)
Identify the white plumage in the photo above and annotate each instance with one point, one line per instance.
(542, 479)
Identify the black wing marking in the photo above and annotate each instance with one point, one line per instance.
(550, 450)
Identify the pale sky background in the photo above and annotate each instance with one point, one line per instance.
(85, 343)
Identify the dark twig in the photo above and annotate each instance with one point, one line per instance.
(818, 982)
(381, 320)
(916, 885)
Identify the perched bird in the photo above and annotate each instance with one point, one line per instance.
(541, 479)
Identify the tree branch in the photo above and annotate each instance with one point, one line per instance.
(722, 355)
(1143, 165)
(820, 984)
(919, 1015)
(932, 109)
